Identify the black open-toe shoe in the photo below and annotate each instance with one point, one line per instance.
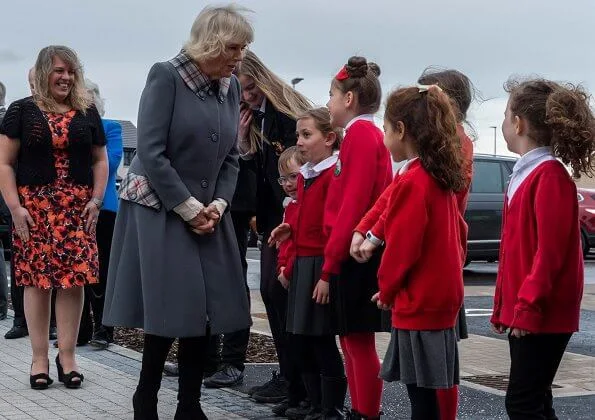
(71, 379)
(41, 380)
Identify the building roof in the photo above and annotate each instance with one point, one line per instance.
(128, 134)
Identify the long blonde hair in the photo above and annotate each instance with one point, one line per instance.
(78, 98)
(283, 97)
(216, 27)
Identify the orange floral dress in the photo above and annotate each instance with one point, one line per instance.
(59, 253)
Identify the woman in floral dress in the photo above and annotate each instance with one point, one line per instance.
(53, 172)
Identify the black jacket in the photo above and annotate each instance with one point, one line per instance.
(244, 198)
(35, 163)
(279, 132)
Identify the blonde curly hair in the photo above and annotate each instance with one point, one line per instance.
(215, 28)
(78, 98)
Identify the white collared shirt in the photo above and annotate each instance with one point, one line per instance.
(364, 117)
(406, 166)
(525, 165)
(287, 201)
(309, 170)
(262, 108)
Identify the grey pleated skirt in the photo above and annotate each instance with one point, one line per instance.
(304, 315)
(428, 359)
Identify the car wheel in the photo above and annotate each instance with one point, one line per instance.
(585, 244)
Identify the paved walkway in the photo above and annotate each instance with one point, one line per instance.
(110, 380)
(110, 377)
(483, 356)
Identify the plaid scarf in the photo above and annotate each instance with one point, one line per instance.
(197, 81)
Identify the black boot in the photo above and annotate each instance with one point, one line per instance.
(192, 353)
(312, 384)
(333, 397)
(353, 415)
(144, 403)
(144, 400)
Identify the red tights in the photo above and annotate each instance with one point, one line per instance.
(362, 367)
(448, 400)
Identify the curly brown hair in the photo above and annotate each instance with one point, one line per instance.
(430, 122)
(363, 82)
(560, 117)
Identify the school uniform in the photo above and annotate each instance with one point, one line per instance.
(278, 131)
(286, 251)
(540, 278)
(374, 220)
(309, 324)
(361, 174)
(421, 275)
(304, 316)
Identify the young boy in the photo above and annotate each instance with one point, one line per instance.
(290, 162)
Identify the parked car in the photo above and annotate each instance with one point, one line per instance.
(491, 174)
(586, 217)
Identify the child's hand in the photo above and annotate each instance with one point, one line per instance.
(518, 333)
(321, 292)
(280, 234)
(282, 279)
(381, 305)
(499, 328)
(366, 250)
(356, 242)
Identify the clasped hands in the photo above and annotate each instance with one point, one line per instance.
(361, 249)
(204, 222)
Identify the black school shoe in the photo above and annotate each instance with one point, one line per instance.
(257, 388)
(274, 391)
(298, 412)
(16, 332)
(101, 338)
(227, 376)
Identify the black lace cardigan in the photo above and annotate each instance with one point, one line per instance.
(24, 121)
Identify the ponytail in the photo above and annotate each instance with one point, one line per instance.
(430, 122)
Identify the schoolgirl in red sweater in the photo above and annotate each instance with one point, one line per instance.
(540, 275)
(309, 318)
(362, 172)
(460, 90)
(421, 272)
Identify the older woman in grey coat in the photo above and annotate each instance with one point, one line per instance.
(175, 269)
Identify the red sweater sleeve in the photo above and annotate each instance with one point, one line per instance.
(359, 159)
(286, 254)
(555, 216)
(373, 215)
(407, 219)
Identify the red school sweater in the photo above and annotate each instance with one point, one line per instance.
(421, 271)
(286, 255)
(540, 274)
(374, 219)
(361, 174)
(309, 233)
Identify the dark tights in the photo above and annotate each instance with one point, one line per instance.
(191, 360)
(424, 403)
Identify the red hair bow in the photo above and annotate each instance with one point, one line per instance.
(342, 75)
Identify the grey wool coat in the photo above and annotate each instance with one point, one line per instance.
(163, 277)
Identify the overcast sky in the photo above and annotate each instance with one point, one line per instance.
(489, 40)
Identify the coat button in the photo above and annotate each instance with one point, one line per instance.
(204, 183)
(214, 137)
